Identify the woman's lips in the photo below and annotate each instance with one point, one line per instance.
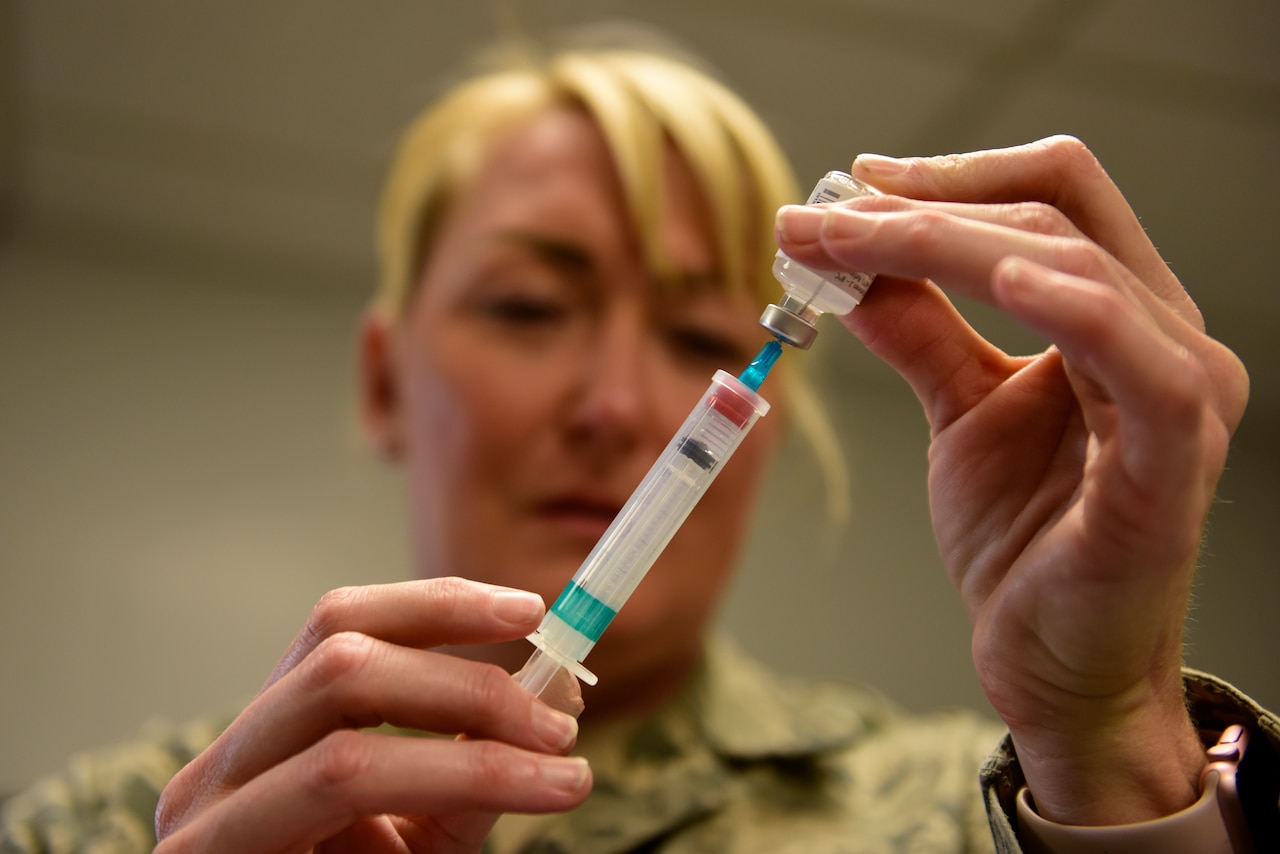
(586, 518)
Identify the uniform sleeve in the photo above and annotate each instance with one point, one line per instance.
(1214, 705)
(103, 801)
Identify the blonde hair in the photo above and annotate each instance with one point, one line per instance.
(643, 101)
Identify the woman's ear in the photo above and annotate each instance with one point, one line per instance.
(381, 409)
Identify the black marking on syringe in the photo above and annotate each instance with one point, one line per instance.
(698, 452)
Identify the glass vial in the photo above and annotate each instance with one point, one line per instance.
(810, 293)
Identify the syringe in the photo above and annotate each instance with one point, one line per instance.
(646, 523)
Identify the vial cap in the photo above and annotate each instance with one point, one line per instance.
(789, 327)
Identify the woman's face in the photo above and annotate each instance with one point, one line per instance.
(541, 369)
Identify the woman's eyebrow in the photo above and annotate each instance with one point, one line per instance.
(556, 252)
(693, 282)
(572, 257)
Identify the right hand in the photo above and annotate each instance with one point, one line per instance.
(297, 770)
(1069, 489)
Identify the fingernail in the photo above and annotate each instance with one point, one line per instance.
(879, 164)
(555, 728)
(566, 773)
(517, 606)
(799, 223)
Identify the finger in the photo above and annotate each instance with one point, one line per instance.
(961, 255)
(419, 614)
(1059, 171)
(915, 329)
(351, 775)
(957, 253)
(378, 834)
(1159, 389)
(1033, 217)
(354, 681)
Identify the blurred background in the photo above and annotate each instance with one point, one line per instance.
(186, 202)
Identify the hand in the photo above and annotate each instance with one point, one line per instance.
(1068, 489)
(297, 770)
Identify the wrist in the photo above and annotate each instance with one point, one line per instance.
(1144, 766)
(1215, 822)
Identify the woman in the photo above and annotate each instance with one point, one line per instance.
(570, 249)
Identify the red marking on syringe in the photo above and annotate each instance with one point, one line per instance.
(731, 405)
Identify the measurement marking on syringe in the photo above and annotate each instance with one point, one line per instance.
(584, 613)
(689, 479)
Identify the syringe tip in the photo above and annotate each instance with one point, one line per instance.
(760, 366)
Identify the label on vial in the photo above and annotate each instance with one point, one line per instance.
(855, 284)
(836, 187)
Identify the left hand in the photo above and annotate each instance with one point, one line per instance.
(1068, 489)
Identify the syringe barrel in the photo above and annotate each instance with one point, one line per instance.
(650, 518)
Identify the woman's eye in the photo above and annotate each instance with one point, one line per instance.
(706, 346)
(525, 310)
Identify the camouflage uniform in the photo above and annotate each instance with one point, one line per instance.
(105, 802)
(741, 761)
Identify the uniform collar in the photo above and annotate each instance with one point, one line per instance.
(747, 711)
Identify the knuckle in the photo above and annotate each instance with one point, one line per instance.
(197, 784)
(340, 657)
(487, 689)
(1184, 394)
(172, 807)
(925, 230)
(1105, 316)
(495, 766)
(876, 202)
(1106, 308)
(1039, 218)
(1086, 259)
(1068, 148)
(955, 162)
(330, 613)
(1067, 144)
(447, 595)
(1234, 383)
(1071, 156)
(337, 761)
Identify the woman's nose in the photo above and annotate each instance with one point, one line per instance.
(613, 398)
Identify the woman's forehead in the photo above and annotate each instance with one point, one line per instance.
(554, 173)
(558, 142)
(551, 179)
